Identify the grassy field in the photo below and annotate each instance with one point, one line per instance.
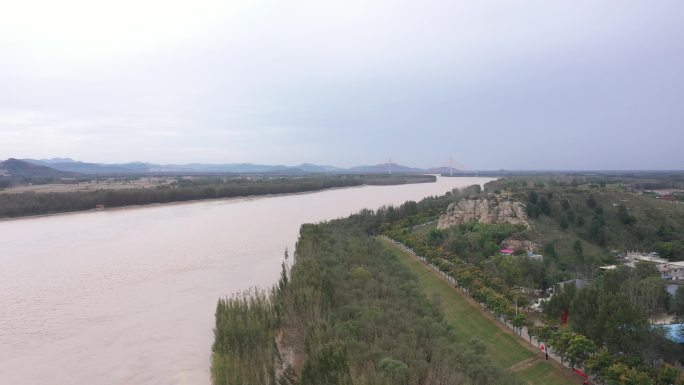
(544, 373)
(468, 322)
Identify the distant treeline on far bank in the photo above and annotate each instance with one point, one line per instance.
(19, 204)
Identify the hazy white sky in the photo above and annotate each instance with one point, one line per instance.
(493, 84)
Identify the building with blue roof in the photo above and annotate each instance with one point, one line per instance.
(674, 332)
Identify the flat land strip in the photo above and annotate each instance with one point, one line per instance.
(151, 182)
(468, 321)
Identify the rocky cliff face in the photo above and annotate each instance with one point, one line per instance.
(488, 211)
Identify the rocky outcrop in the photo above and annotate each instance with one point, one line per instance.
(488, 211)
(521, 244)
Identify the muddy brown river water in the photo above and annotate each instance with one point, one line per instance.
(127, 296)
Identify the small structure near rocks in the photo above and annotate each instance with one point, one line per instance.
(521, 244)
(579, 283)
(535, 256)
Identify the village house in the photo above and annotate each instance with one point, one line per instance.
(635, 256)
(630, 259)
(672, 271)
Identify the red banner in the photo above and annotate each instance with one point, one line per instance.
(580, 373)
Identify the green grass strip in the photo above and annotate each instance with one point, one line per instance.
(468, 322)
(543, 373)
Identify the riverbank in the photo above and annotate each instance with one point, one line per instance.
(117, 199)
(244, 198)
(354, 312)
(183, 190)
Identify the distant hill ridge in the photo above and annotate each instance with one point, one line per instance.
(19, 168)
(70, 165)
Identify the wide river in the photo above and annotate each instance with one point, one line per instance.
(128, 296)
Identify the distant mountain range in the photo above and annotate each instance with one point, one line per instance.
(66, 167)
(19, 168)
